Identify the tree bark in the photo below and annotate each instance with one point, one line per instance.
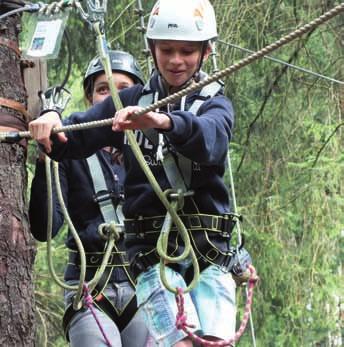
(17, 251)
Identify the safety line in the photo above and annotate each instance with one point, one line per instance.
(295, 67)
(216, 76)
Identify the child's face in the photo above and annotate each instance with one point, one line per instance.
(101, 87)
(178, 60)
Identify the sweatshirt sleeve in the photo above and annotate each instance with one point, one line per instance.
(83, 143)
(203, 138)
(38, 208)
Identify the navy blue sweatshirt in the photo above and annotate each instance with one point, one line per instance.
(78, 193)
(203, 138)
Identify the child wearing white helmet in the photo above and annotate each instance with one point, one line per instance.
(196, 132)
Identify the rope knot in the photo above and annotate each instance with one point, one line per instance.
(88, 300)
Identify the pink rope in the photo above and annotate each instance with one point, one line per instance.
(88, 301)
(181, 323)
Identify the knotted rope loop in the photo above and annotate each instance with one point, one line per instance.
(111, 230)
(182, 324)
(88, 302)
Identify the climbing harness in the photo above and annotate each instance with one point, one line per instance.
(106, 198)
(109, 202)
(178, 170)
(177, 167)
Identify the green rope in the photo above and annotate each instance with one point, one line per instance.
(236, 215)
(171, 212)
(49, 229)
(49, 226)
(162, 246)
(112, 237)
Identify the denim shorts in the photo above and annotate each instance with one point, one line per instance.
(210, 306)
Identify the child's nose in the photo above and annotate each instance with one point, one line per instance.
(176, 58)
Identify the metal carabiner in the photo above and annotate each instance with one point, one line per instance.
(54, 98)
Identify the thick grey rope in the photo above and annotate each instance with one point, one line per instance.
(216, 76)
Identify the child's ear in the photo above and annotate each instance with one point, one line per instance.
(207, 52)
(88, 99)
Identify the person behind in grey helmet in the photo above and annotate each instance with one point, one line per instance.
(92, 190)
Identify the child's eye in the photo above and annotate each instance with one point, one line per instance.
(166, 51)
(188, 51)
(103, 90)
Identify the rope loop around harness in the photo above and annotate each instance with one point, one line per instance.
(179, 196)
(110, 230)
(162, 243)
(194, 263)
(188, 253)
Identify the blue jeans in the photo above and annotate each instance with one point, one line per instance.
(210, 306)
(84, 331)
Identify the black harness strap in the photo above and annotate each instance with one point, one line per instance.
(201, 224)
(120, 318)
(94, 259)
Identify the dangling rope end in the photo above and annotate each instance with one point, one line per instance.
(88, 302)
(181, 317)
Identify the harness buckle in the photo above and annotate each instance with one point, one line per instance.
(141, 263)
(227, 261)
(104, 195)
(228, 223)
(240, 262)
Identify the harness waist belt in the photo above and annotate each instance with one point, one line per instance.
(94, 259)
(142, 262)
(217, 223)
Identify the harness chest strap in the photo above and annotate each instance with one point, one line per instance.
(178, 174)
(104, 200)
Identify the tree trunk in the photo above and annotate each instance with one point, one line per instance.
(17, 252)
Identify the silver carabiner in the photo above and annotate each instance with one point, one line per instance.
(54, 98)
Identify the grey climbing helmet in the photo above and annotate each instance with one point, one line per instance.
(120, 62)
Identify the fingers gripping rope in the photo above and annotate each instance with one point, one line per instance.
(182, 324)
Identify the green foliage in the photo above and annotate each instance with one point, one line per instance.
(287, 174)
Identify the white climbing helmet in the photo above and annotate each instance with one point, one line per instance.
(182, 20)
